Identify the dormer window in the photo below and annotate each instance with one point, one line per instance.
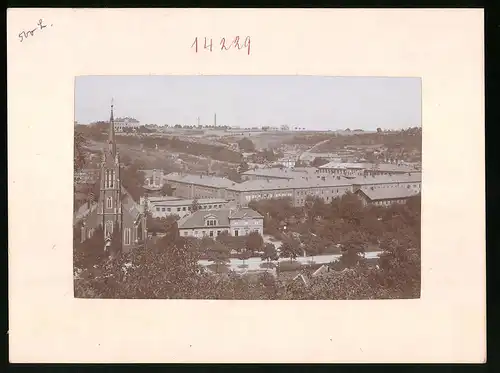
(211, 222)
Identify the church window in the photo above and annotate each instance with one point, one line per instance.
(109, 202)
(127, 236)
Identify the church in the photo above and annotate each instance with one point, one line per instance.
(115, 209)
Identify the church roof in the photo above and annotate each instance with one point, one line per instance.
(128, 204)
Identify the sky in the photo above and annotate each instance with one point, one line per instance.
(311, 102)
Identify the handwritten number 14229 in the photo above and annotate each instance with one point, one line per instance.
(224, 44)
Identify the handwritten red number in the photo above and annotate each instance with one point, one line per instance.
(247, 44)
(223, 44)
(236, 42)
(208, 46)
(195, 44)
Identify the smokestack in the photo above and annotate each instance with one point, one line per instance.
(215, 120)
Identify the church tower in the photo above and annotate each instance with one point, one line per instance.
(110, 207)
(123, 221)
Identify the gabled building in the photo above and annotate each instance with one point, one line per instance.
(161, 207)
(123, 124)
(115, 208)
(211, 223)
(386, 197)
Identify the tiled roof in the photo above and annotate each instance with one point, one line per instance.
(197, 219)
(83, 211)
(381, 179)
(183, 202)
(212, 181)
(274, 184)
(128, 204)
(384, 167)
(388, 193)
(279, 173)
(245, 213)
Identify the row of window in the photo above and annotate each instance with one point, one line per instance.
(394, 186)
(301, 201)
(386, 203)
(317, 191)
(109, 230)
(187, 208)
(210, 233)
(267, 195)
(109, 178)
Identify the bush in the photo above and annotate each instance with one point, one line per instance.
(267, 265)
(289, 266)
(332, 249)
(222, 268)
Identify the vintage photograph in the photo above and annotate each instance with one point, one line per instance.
(247, 187)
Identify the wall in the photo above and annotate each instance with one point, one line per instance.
(246, 226)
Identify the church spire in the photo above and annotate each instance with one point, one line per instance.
(111, 136)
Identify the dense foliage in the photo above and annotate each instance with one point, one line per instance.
(97, 132)
(168, 267)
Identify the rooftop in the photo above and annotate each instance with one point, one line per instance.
(381, 179)
(212, 181)
(388, 193)
(274, 184)
(385, 167)
(282, 173)
(126, 119)
(183, 202)
(197, 219)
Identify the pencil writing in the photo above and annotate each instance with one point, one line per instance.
(23, 35)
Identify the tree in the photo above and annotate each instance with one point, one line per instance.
(245, 254)
(89, 252)
(133, 180)
(289, 250)
(243, 167)
(270, 252)
(234, 175)
(246, 145)
(319, 162)
(80, 151)
(219, 254)
(379, 130)
(195, 205)
(353, 249)
(254, 242)
(167, 190)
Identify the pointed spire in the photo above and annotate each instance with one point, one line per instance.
(111, 136)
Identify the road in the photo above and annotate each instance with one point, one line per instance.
(310, 150)
(254, 263)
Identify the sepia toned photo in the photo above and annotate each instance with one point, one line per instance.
(247, 187)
